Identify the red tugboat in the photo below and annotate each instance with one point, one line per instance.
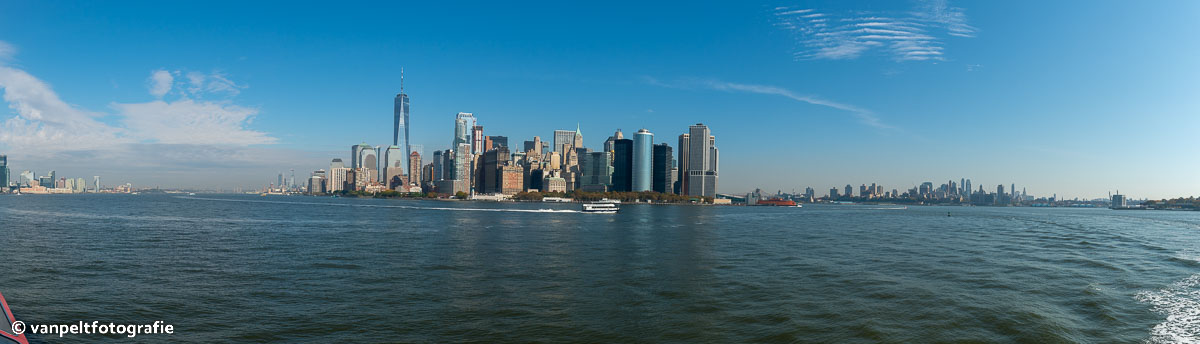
(7, 334)
(778, 202)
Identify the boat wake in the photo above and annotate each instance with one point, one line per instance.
(1180, 302)
(388, 206)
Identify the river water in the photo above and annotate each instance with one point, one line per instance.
(238, 268)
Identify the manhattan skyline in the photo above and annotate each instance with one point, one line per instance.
(918, 91)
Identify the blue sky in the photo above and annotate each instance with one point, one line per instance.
(1055, 97)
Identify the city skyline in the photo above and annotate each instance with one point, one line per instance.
(948, 106)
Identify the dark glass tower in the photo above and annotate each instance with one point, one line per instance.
(663, 162)
(622, 165)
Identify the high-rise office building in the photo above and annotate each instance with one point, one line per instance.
(4, 172)
(439, 168)
(562, 137)
(622, 179)
(663, 165)
(367, 158)
(512, 179)
(336, 163)
(96, 182)
(489, 171)
(414, 168)
(685, 145)
(572, 139)
(608, 143)
(497, 142)
(464, 122)
(356, 154)
(463, 160)
(400, 136)
(477, 140)
(535, 146)
(597, 172)
(849, 191)
(643, 160)
(703, 166)
(394, 160)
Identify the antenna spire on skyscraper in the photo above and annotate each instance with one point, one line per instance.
(401, 79)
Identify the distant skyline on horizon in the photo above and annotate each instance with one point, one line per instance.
(1074, 100)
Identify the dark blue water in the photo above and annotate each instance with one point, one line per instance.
(235, 268)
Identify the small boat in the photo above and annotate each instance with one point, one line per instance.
(778, 202)
(600, 208)
(191, 194)
(6, 326)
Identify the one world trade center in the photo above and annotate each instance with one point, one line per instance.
(400, 129)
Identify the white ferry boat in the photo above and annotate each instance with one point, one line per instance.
(600, 208)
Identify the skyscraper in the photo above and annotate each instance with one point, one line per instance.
(365, 157)
(356, 152)
(684, 147)
(498, 141)
(464, 122)
(414, 168)
(490, 171)
(702, 162)
(643, 160)
(622, 178)
(664, 162)
(401, 121)
(565, 137)
(608, 143)
(534, 147)
(597, 172)
(394, 161)
(462, 168)
(4, 172)
(477, 146)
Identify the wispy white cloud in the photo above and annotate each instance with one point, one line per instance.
(160, 82)
(187, 121)
(200, 83)
(954, 19)
(43, 127)
(864, 116)
(7, 51)
(43, 123)
(917, 35)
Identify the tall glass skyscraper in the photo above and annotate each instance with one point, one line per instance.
(464, 124)
(643, 160)
(622, 165)
(4, 173)
(664, 161)
(401, 112)
(702, 162)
